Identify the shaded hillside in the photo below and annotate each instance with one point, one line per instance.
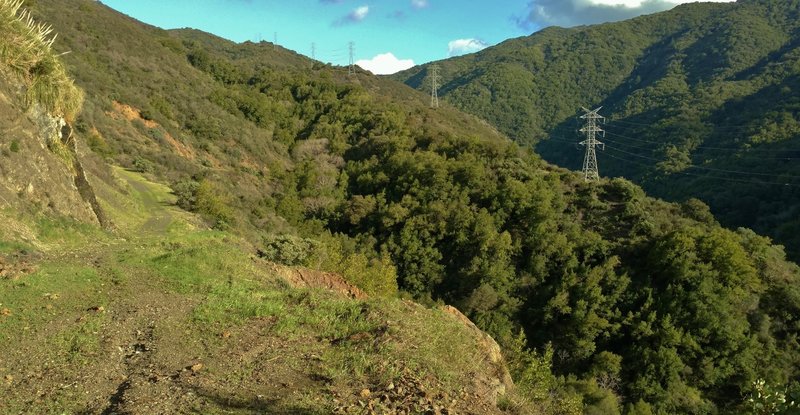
(601, 297)
(701, 102)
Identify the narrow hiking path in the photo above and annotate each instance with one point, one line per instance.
(157, 205)
(163, 315)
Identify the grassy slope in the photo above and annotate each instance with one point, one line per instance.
(114, 322)
(710, 85)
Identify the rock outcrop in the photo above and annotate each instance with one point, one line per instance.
(40, 168)
(498, 381)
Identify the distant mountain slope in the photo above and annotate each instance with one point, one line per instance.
(602, 298)
(702, 101)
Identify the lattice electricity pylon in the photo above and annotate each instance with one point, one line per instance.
(590, 170)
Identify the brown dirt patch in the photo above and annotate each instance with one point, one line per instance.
(307, 278)
(124, 111)
(182, 149)
(129, 113)
(15, 266)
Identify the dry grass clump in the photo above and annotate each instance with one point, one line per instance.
(26, 51)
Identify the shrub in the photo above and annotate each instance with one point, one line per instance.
(374, 274)
(358, 264)
(25, 50)
(143, 165)
(214, 202)
(186, 192)
(288, 249)
(98, 144)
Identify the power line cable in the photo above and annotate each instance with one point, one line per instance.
(709, 168)
(741, 156)
(706, 147)
(740, 150)
(705, 176)
(716, 127)
(562, 139)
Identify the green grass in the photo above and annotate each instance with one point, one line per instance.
(66, 233)
(204, 283)
(140, 208)
(37, 299)
(81, 342)
(232, 291)
(8, 247)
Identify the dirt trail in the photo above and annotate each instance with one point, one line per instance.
(154, 204)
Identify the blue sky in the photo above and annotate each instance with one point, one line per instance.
(389, 35)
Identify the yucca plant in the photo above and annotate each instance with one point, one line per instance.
(26, 52)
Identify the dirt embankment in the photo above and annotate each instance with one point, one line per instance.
(308, 278)
(490, 383)
(34, 176)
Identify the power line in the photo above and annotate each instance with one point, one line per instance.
(716, 127)
(650, 165)
(739, 156)
(742, 152)
(351, 68)
(705, 176)
(434, 86)
(708, 168)
(590, 170)
(706, 147)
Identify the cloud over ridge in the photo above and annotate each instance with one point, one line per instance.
(463, 46)
(385, 64)
(567, 13)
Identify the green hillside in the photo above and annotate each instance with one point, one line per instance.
(603, 299)
(701, 102)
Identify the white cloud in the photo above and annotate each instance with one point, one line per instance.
(541, 13)
(419, 4)
(464, 46)
(638, 3)
(357, 15)
(385, 64)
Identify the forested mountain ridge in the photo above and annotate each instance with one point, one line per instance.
(603, 299)
(701, 101)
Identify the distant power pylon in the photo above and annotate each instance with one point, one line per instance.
(351, 68)
(434, 86)
(313, 51)
(591, 129)
(275, 40)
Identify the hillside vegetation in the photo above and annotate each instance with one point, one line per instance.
(604, 300)
(701, 102)
(25, 54)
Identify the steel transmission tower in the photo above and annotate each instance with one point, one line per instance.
(434, 86)
(351, 69)
(313, 51)
(591, 129)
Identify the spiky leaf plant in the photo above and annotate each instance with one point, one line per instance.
(26, 53)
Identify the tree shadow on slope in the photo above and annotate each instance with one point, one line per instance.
(256, 404)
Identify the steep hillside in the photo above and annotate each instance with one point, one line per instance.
(165, 317)
(701, 102)
(42, 169)
(158, 314)
(602, 299)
